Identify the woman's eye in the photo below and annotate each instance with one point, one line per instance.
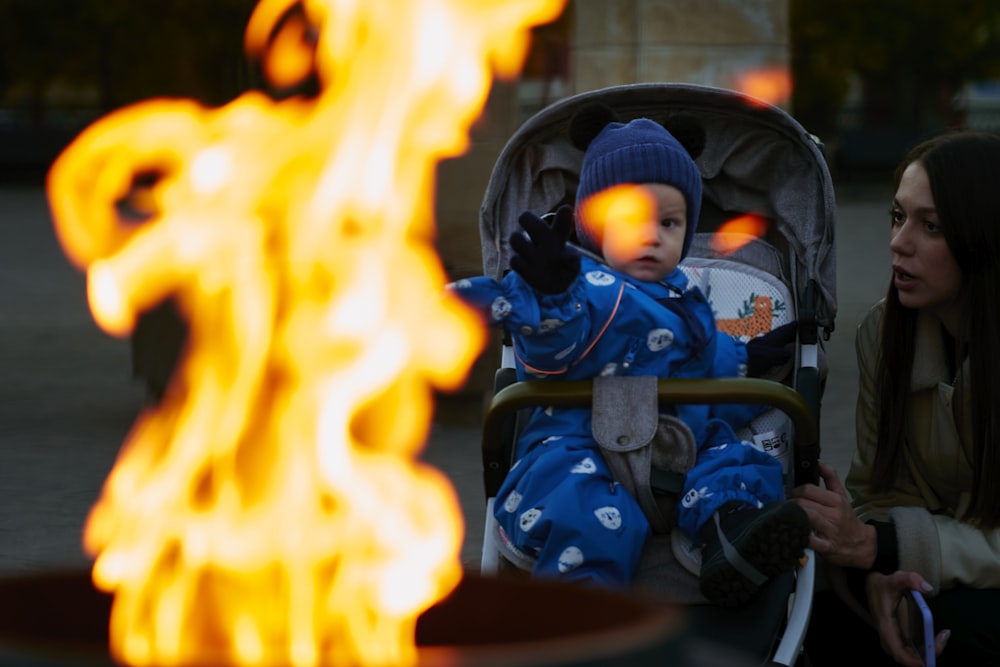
(896, 217)
(932, 226)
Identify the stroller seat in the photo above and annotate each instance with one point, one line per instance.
(774, 624)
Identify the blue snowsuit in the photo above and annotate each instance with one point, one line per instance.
(559, 505)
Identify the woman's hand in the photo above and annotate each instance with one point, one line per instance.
(885, 595)
(838, 534)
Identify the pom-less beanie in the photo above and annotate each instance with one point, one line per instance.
(640, 151)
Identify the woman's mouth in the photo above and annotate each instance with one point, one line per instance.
(901, 278)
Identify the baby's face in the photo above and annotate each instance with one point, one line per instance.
(649, 250)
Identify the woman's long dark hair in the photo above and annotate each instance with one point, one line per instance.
(964, 173)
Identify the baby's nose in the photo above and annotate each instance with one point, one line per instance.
(650, 234)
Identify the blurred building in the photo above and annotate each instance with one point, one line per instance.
(979, 102)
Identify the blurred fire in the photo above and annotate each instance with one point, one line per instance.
(270, 510)
(737, 232)
(619, 215)
(772, 85)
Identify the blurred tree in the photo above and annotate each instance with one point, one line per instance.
(910, 57)
(125, 50)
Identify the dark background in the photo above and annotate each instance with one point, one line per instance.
(64, 63)
(874, 76)
(871, 76)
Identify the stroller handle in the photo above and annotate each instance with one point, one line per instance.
(579, 393)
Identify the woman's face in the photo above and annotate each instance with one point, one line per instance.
(924, 271)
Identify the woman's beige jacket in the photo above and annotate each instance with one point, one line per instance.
(933, 491)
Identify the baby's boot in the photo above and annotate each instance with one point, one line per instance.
(745, 546)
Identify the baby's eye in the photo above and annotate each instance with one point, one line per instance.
(667, 223)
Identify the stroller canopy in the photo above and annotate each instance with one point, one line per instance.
(757, 159)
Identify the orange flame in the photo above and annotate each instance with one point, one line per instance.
(619, 215)
(270, 510)
(736, 233)
(772, 85)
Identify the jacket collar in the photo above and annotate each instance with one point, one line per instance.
(930, 365)
(672, 286)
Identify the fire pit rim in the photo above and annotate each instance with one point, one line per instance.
(650, 624)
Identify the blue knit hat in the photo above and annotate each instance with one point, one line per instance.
(640, 151)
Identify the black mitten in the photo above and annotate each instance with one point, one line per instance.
(771, 350)
(543, 258)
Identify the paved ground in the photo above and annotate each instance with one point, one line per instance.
(67, 399)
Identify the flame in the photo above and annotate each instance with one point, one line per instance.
(772, 85)
(620, 215)
(737, 232)
(270, 510)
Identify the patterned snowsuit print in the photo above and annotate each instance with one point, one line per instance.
(559, 507)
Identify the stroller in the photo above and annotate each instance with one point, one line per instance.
(758, 165)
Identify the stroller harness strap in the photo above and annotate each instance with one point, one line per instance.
(648, 453)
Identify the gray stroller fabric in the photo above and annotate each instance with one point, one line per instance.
(757, 159)
(636, 440)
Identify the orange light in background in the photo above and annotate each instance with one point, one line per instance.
(737, 232)
(621, 214)
(772, 85)
(271, 509)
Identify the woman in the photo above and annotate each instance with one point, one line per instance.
(921, 507)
